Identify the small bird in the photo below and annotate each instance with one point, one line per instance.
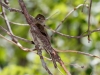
(40, 23)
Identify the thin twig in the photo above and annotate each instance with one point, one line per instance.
(79, 52)
(89, 15)
(64, 67)
(6, 20)
(7, 24)
(83, 5)
(68, 15)
(17, 37)
(18, 44)
(39, 52)
(60, 71)
(52, 15)
(20, 24)
(10, 9)
(69, 36)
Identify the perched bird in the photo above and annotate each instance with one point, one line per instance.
(40, 23)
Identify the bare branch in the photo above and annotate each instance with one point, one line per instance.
(18, 44)
(52, 15)
(69, 36)
(89, 15)
(7, 24)
(10, 9)
(17, 37)
(79, 52)
(60, 71)
(39, 52)
(25, 12)
(20, 24)
(83, 5)
(69, 15)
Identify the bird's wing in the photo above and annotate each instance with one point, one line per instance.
(43, 31)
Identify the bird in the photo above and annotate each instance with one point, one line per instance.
(40, 23)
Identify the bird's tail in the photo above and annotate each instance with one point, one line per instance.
(52, 55)
(55, 57)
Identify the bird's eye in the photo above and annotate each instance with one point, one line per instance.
(38, 18)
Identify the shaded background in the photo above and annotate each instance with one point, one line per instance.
(14, 61)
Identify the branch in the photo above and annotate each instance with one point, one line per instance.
(89, 19)
(8, 25)
(25, 12)
(69, 15)
(83, 5)
(69, 36)
(10, 9)
(79, 52)
(17, 37)
(39, 52)
(14, 22)
(18, 44)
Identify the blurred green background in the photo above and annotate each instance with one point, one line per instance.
(14, 61)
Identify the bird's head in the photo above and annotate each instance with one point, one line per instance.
(40, 19)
